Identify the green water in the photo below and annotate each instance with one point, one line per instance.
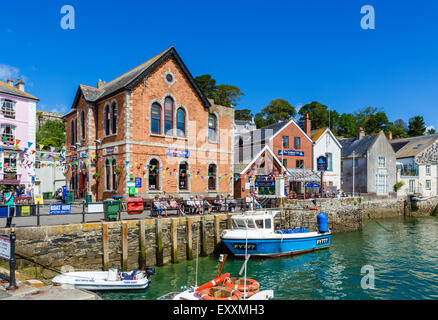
(403, 253)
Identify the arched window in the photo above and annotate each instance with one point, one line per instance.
(181, 122)
(107, 175)
(182, 178)
(154, 178)
(156, 118)
(106, 120)
(72, 132)
(83, 124)
(212, 127)
(114, 175)
(168, 116)
(114, 118)
(240, 149)
(212, 177)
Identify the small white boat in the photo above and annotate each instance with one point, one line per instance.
(113, 279)
(190, 294)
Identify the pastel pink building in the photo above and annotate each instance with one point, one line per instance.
(17, 134)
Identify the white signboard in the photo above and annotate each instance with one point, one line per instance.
(95, 208)
(247, 185)
(5, 248)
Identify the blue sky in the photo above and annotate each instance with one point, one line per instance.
(300, 51)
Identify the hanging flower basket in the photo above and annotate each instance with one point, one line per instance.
(96, 176)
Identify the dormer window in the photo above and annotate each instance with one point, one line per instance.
(8, 108)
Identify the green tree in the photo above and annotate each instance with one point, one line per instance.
(227, 95)
(431, 131)
(222, 94)
(416, 126)
(317, 112)
(51, 134)
(374, 123)
(243, 114)
(277, 110)
(347, 125)
(207, 85)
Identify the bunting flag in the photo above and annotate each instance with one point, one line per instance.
(42, 146)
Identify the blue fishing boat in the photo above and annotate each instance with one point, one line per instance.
(254, 231)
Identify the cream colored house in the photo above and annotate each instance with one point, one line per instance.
(417, 160)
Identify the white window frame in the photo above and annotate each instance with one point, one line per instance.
(428, 170)
(428, 184)
(381, 162)
(11, 137)
(8, 108)
(381, 184)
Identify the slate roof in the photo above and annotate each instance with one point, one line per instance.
(359, 146)
(7, 89)
(410, 147)
(131, 78)
(264, 133)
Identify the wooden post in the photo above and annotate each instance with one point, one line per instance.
(142, 243)
(189, 239)
(159, 242)
(105, 246)
(124, 246)
(217, 230)
(203, 237)
(174, 240)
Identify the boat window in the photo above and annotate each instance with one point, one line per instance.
(241, 223)
(251, 224)
(259, 223)
(267, 223)
(235, 224)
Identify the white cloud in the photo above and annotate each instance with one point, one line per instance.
(429, 127)
(7, 72)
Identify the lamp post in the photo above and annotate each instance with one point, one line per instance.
(353, 171)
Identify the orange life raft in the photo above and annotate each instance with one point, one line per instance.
(220, 293)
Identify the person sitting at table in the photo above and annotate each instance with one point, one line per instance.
(174, 205)
(164, 205)
(206, 206)
(191, 205)
(218, 203)
(231, 203)
(158, 206)
(198, 205)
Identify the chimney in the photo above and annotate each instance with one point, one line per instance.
(100, 84)
(10, 82)
(19, 84)
(389, 135)
(307, 125)
(361, 133)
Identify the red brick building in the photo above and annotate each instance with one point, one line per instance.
(261, 152)
(152, 125)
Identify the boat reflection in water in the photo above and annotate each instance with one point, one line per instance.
(255, 231)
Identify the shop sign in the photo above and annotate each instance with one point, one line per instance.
(110, 150)
(60, 209)
(5, 247)
(178, 153)
(138, 182)
(291, 153)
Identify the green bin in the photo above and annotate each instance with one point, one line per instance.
(88, 199)
(111, 208)
(47, 195)
(69, 198)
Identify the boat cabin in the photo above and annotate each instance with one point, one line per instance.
(254, 221)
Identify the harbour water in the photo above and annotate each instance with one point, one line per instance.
(403, 253)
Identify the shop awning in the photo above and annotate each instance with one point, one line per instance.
(304, 175)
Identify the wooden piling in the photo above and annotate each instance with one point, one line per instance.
(203, 237)
(142, 243)
(159, 242)
(217, 236)
(105, 246)
(189, 239)
(174, 240)
(124, 246)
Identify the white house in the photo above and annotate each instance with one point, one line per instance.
(49, 173)
(417, 169)
(326, 144)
